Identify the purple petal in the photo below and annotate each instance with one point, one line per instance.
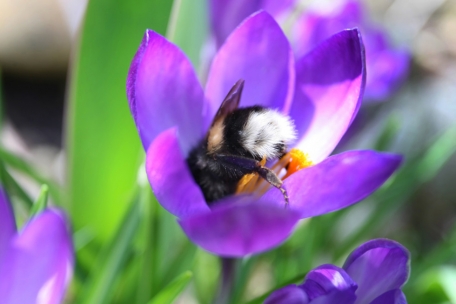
(163, 92)
(329, 89)
(276, 8)
(39, 263)
(290, 294)
(339, 297)
(7, 222)
(226, 15)
(318, 24)
(170, 178)
(378, 266)
(337, 182)
(395, 296)
(236, 228)
(258, 52)
(387, 70)
(329, 284)
(387, 66)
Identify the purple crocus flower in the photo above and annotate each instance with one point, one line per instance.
(321, 93)
(36, 263)
(387, 66)
(373, 273)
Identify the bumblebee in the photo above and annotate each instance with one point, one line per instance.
(239, 142)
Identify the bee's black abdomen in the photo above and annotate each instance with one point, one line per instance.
(215, 180)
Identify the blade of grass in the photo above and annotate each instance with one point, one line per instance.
(412, 175)
(13, 188)
(242, 277)
(170, 238)
(98, 287)
(147, 268)
(41, 202)
(445, 252)
(1, 99)
(188, 27)
(185, 254)
(126, 286)
(166, 251)
(173, 289)
(207, 272)
(24, 167)
(388, 134)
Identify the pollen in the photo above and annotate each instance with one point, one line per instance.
(289, 164)
(298, 161)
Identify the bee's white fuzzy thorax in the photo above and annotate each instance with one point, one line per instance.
(267, 133)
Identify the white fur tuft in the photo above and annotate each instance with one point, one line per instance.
(265, 130)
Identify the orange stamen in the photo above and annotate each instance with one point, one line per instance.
(248, 181)
(299, 160)
(245, 182)
(291, 162)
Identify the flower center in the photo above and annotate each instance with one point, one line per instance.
(290, 163)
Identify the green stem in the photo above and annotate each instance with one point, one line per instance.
(227, 279)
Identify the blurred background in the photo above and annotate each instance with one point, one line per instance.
(66, 123)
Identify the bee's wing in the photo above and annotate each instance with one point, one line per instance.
(231, 101)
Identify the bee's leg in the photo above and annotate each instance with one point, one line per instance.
(273, 179)
(250, 165)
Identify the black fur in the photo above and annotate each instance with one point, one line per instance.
(216, 180)
(219, 179)
(234, 124)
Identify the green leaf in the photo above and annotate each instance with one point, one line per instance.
(81, 238)
(13, 188)
(173, 289)
(148, 261)
(126, 286)
(243, 271)
(41, 202)
(1, 100)
(99, 286)
(437, 155)
(443, 252)
(207, 273)
(447, 279)
(24, 167)
(388, 134)
(104, 150)
(188, 27)
(436, 285)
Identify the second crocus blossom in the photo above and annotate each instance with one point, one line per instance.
(374, 273)
(387, 66)
(321, 93)
(36, 263)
